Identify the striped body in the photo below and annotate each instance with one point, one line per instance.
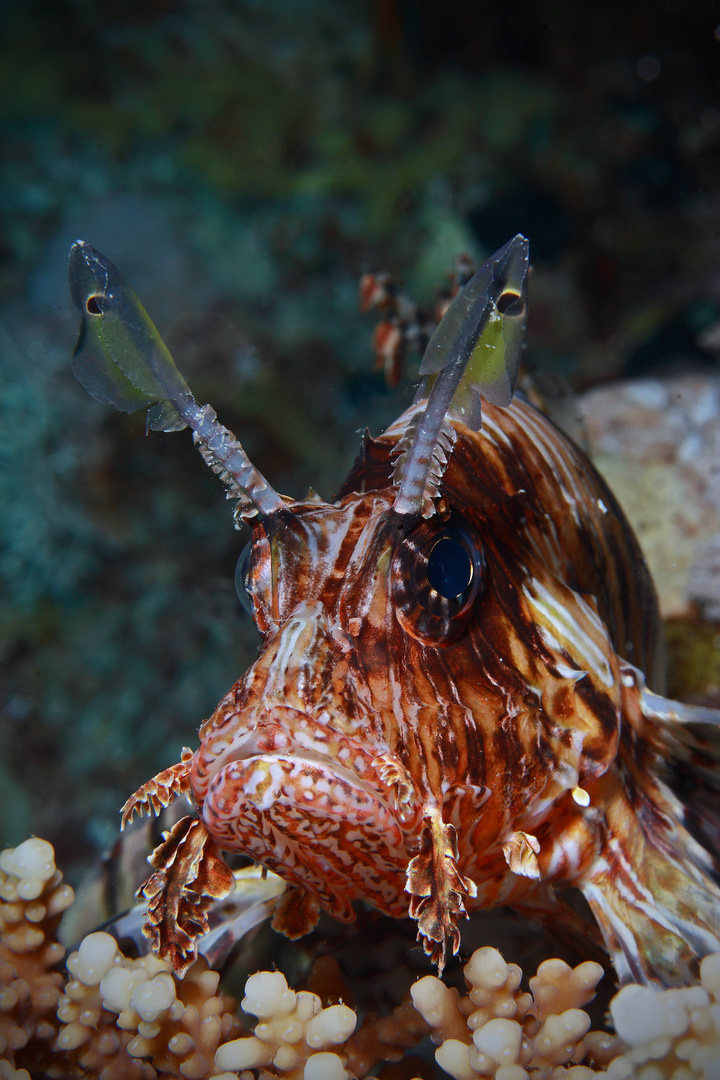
(358, 748)
(448, 709)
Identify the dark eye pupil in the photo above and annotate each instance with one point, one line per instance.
(94, 305)
(449, 568)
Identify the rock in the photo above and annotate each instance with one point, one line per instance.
(656, 443)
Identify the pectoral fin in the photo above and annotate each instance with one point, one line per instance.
(652, 886)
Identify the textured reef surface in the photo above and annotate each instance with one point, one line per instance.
(121, 1017)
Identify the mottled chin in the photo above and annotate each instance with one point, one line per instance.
(328, 822)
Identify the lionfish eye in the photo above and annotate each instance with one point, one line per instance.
(436, 577)
(241, 577)
(449, 568)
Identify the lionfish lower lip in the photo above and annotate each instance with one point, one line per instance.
(310, 760)
(267, 782)
(311, 743)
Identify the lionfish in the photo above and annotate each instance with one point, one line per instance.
(448, 710)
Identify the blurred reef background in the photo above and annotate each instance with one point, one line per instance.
(243, 163)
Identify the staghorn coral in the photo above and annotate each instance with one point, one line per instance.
(497, 1030)
(118, 1018)
(117, 1012)
(32, 900)
(294, 1033)
(673, 1035)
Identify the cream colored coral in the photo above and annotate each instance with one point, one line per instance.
(558, 987)
(177, 1023)
(669, 1034)
(660, 1034)
(493, 989)
(499, 1031)
(9, 1072)
(123, 1019)
(90, 1036)
(293, 1034)
(32, 900)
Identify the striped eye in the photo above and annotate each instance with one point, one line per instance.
(253, 579)
(436, 577)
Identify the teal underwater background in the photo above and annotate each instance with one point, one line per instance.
(243, 163)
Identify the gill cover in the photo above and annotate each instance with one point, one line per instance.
(474, 353)
(121, 359)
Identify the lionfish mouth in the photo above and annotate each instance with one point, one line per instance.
(290, 757)
(342, 821)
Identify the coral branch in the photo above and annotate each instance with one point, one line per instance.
(117, 1018)
(32, 900)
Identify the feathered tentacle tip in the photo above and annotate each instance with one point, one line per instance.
(438, 889)
(157, 794)
(190, 876)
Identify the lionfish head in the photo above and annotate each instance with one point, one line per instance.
(439, 716)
